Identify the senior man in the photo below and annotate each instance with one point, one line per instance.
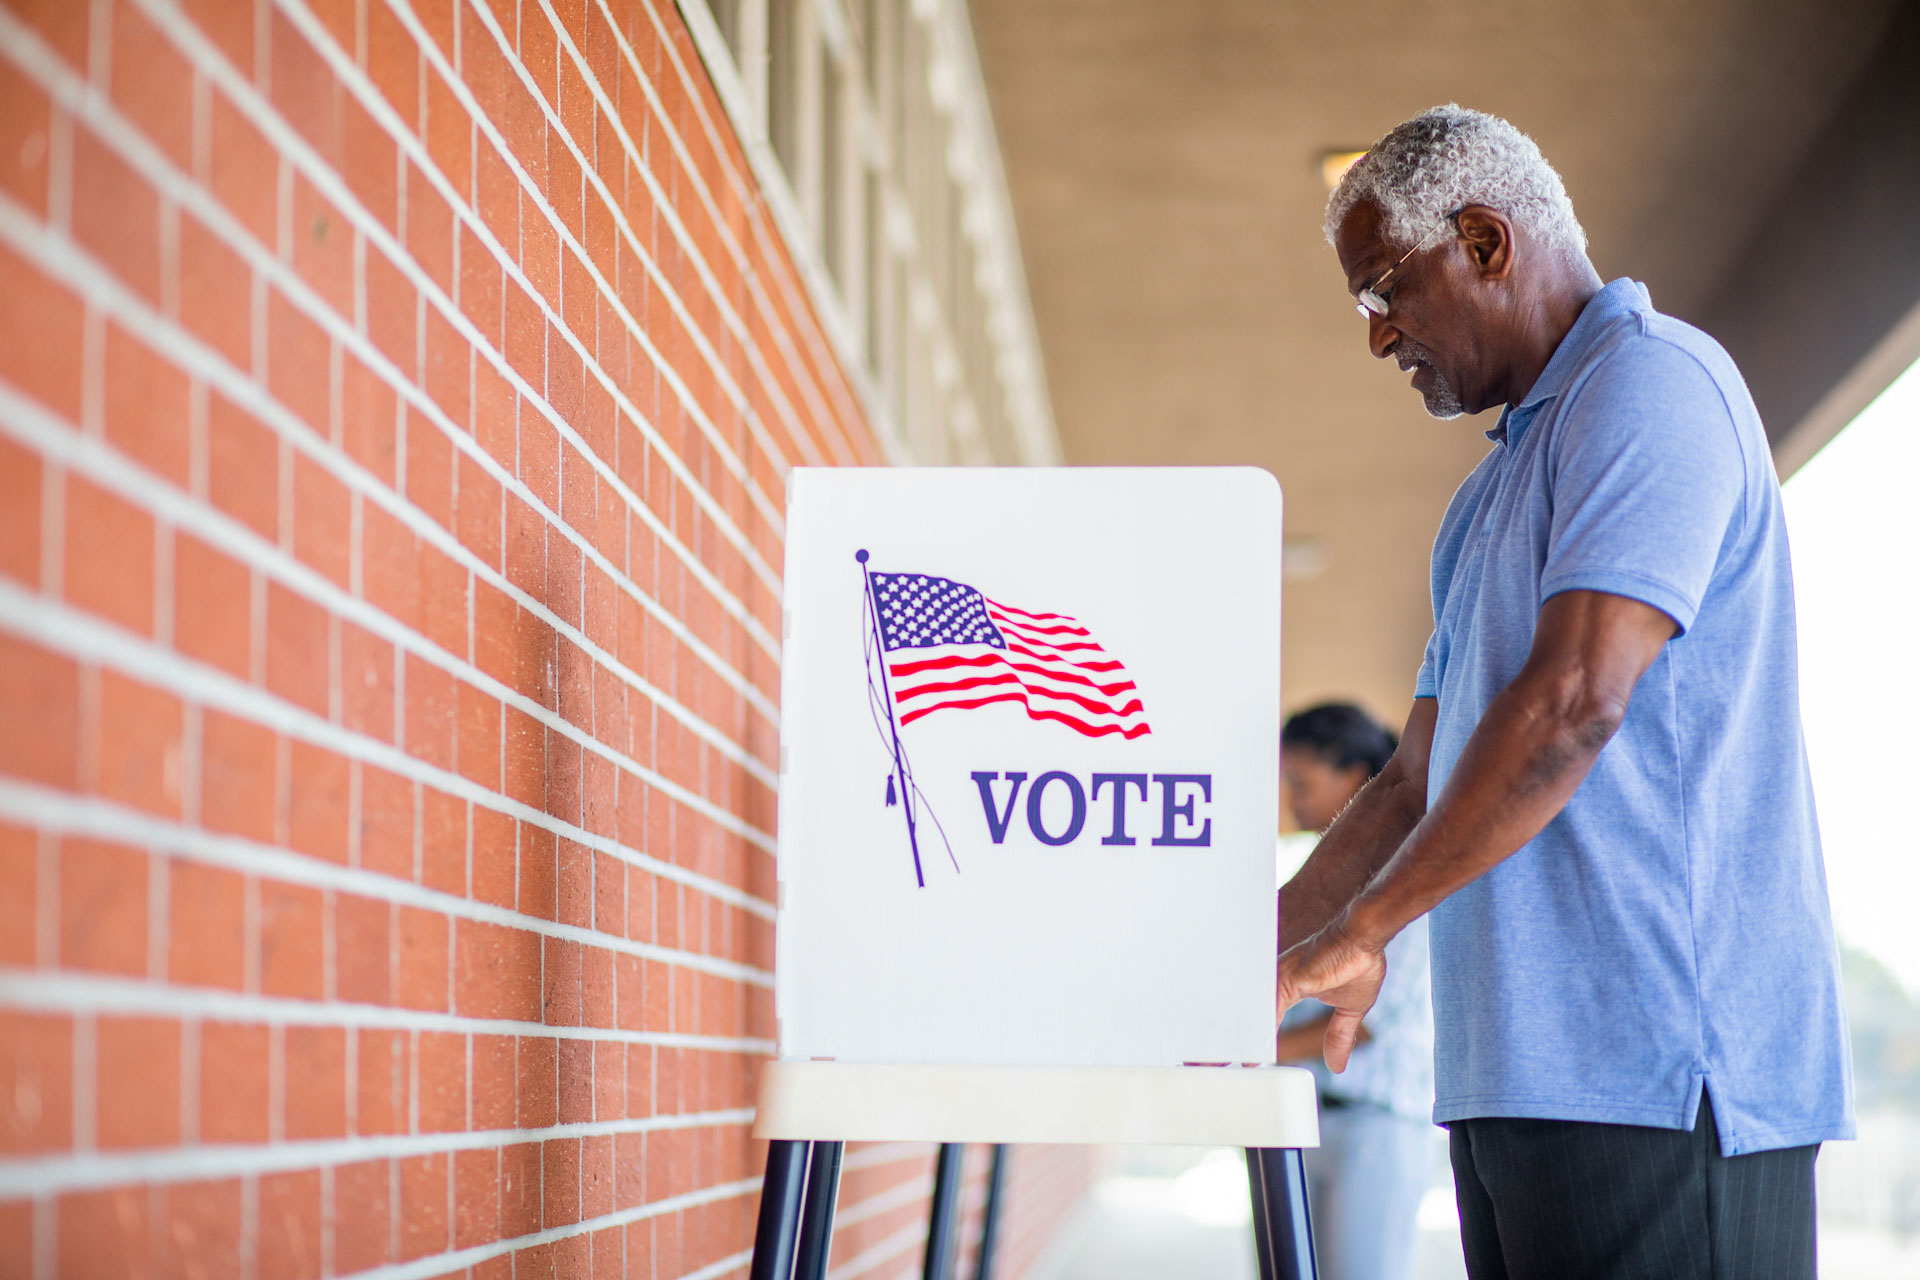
(1601, 794)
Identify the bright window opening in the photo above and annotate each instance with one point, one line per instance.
(1851, 514)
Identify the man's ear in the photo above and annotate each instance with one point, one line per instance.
(1489, 237)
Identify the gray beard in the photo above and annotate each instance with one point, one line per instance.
(1442, 401)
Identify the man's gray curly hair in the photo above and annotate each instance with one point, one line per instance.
(1447, 157)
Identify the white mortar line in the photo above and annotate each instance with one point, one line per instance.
(885, 1153)
(722, 1267)
(899, 1196)
(58, 991)
(96, 1170)
(906, 1238)
(445, 1263)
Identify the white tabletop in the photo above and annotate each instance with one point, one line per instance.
(1180, 1106)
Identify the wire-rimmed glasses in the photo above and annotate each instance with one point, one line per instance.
(1371, 300)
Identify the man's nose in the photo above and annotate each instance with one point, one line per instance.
(1382, 337)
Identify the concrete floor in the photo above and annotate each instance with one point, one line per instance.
(1181, 1213)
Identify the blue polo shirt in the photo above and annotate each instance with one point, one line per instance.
(1669, 930)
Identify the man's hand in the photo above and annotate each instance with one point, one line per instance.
(1344, 971)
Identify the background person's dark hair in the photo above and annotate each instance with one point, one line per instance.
(1342, 735)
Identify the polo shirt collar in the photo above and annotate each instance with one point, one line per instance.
(1619, 298)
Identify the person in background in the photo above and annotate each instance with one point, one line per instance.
(1378, 1145)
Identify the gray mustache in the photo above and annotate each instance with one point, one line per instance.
(1410, 355)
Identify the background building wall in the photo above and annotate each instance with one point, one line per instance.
(394, 407)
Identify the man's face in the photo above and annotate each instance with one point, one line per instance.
(1424, 324)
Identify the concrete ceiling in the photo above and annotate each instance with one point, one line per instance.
(1163, 162)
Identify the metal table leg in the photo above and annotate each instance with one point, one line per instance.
(1256, 1188)
(946, 1203)
(773, 1240)
(816, 1218)
(990, 1217)
(1280, 1207)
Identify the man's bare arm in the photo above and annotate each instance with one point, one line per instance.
(1530, 752)
(1364, 836)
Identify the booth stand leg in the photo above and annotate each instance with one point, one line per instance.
(1256, 1188)
(990, 1216)
(1282, 1227)
(946, 1204)
(816, 1219)
(779, 1228)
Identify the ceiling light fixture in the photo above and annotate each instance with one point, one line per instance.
(1302, 558)
(1334, 165)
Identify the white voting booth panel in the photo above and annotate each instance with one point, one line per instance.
(1068, 679)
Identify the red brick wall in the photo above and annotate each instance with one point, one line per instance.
(394, 404)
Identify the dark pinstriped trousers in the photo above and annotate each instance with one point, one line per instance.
(1566, 1200)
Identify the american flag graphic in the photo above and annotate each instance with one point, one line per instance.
(948, 647)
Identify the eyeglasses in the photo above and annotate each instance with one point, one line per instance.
(1372, 301)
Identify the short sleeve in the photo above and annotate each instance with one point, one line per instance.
(1427, 683)
(1647, 477)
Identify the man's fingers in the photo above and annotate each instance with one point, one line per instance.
(1305, 970)
(1327, 968)
(1287, 994)
(1342, 1030)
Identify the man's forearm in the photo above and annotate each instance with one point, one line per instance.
(1357, 845)
(1531, 751)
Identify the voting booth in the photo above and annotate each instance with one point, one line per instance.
(1029, 791)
